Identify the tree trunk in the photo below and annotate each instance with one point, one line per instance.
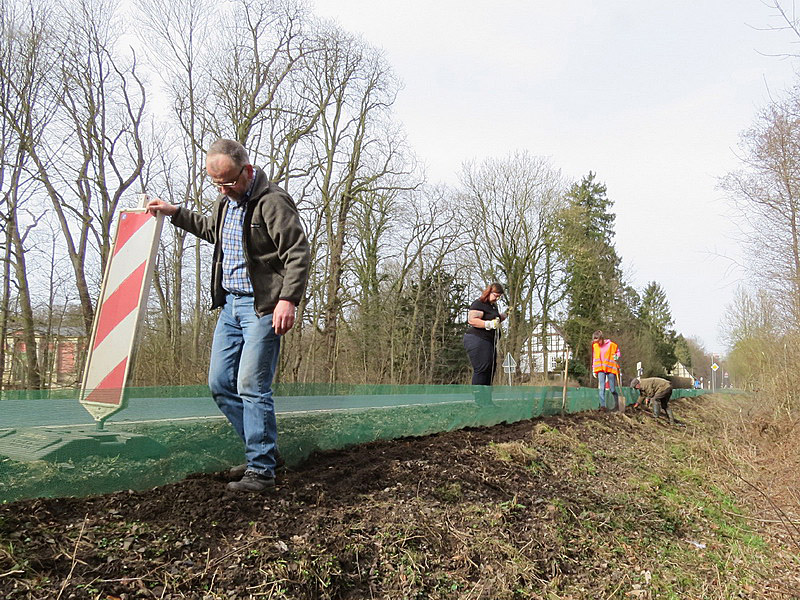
(32, 374)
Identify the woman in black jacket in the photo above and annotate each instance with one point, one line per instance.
(480, 340)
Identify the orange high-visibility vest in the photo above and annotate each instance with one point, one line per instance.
(605, 361)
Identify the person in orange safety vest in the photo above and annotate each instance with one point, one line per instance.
(605, 367)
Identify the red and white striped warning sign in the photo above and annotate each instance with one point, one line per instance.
(123, 301)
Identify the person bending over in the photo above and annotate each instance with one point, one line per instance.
(658, 391)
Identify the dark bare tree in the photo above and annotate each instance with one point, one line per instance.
(512, 204)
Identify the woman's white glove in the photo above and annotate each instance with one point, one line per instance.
(493, 324)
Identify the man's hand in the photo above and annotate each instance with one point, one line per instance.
(157, 205)
(283, 317)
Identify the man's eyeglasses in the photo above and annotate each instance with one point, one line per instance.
(229, 184)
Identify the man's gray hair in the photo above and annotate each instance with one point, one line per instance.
(232, 149)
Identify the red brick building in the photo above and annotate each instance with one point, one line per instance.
(60, 356)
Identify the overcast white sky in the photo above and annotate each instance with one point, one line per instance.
(651, 96)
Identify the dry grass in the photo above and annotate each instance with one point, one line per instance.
(759, 447)
(754, 453)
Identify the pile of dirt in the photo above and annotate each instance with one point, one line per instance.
(595, 505)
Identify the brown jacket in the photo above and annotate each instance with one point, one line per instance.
(275, 244)
(655, 388)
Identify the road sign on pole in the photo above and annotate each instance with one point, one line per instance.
(509, 365)
(123, 300)
(566, 374)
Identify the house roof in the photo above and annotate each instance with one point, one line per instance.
(554, 325)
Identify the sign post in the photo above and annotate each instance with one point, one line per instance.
(714, 368)
(564, 388)
(122, 304)
(509, 365)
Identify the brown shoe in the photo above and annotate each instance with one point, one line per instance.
(252, 482)
(237, 472)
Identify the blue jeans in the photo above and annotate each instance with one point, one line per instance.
(244, 357)
(612, 386)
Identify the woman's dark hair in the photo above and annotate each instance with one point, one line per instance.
(492, 287)
(598, 335)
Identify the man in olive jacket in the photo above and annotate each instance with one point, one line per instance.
(658, 391)
(258, 276)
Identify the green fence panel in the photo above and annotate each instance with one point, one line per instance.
(51, 447)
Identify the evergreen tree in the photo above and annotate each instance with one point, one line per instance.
(654, 312)
(593, 277)
(683, 351)
(438, 322)
(655, 317)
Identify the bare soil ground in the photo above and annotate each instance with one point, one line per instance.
(588, 506)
